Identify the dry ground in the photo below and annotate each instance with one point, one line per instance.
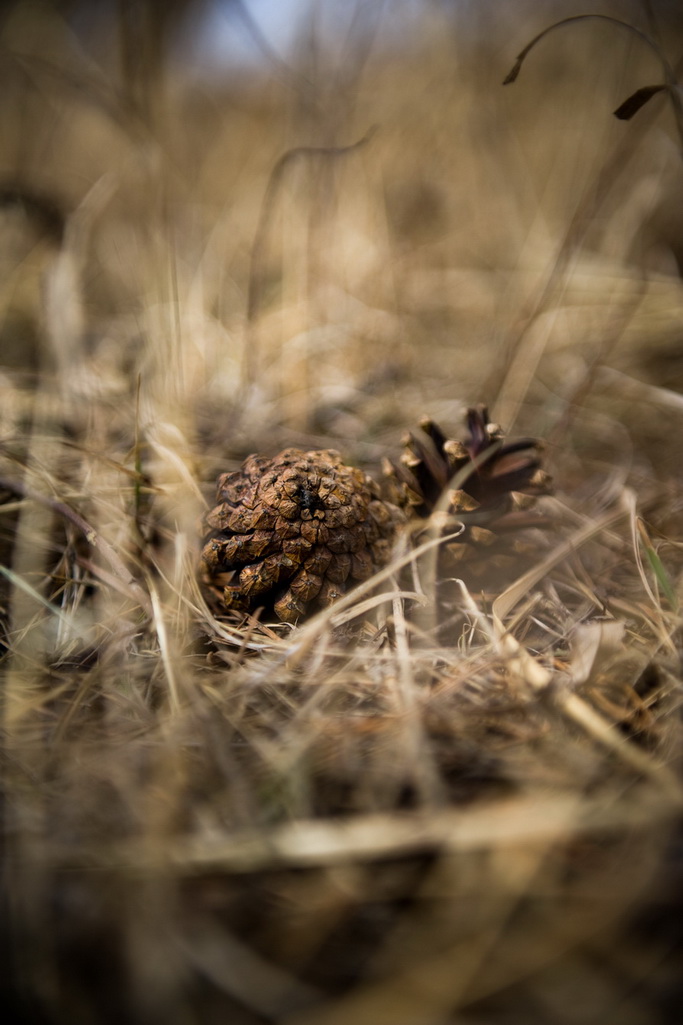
(379, 816)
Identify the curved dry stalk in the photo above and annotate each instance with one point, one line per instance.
(273, 188)
(641, 96)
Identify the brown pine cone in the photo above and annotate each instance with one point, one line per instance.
(289, 532)
(484, 482)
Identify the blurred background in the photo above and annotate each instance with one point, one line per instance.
(322, 218)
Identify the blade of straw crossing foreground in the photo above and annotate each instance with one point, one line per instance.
(310, 842)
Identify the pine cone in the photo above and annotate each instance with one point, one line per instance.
(289, 532)
(484, 482)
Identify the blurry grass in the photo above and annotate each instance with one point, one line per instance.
(376, 816)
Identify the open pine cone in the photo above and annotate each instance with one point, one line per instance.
(289, 532)
(484, 482)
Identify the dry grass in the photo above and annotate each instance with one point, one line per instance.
(404, 811)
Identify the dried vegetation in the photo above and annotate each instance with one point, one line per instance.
(454, 795)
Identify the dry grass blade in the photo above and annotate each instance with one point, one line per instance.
(604, 731)
(636, 535)
(236, 969)
(363, 607)
(506, 601)
(314, 843)
(39, 599)
(164, 648)
(95, 539)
